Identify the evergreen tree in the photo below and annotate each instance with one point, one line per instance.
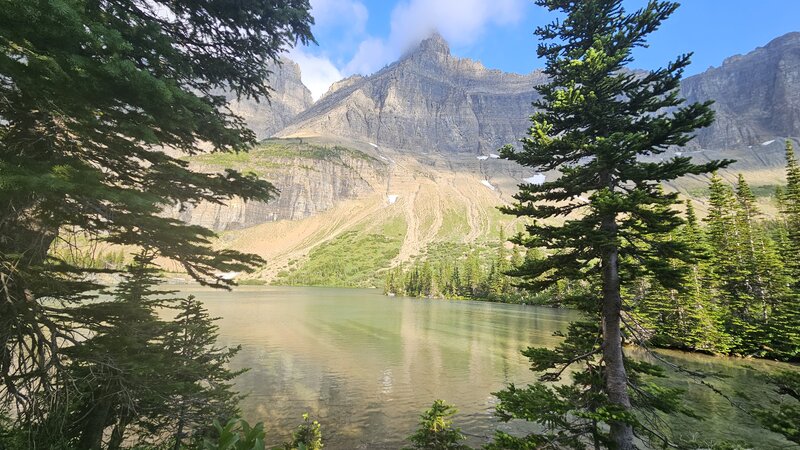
(123, 371)
(143, 379)
(790, 202)
(729, 257)
(784, 330)
(203, 389)
(685, 317)
(93, 91)
(471, 276)
(436, 430)
(596, 123)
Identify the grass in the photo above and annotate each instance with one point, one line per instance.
(454, 224)
(251, 282)
(357, 258)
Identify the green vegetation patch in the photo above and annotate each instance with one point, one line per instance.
(454, 224)
(272, 153)
(760, 191)
(357, 258)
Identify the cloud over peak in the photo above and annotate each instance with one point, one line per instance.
(460, 22)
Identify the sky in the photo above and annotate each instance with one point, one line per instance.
(362, 36)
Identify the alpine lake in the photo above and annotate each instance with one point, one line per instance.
(366, 366)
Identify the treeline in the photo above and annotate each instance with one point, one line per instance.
(473, 274)
(743, 296)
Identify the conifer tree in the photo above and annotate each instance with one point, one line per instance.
(767, 272)
(705, 331)
(123, 371)
(93, 92)
(203, 390)
(141, 378)
(729, 263)
(785, 328)
(597, 122)
(686, 316)
(790, 211)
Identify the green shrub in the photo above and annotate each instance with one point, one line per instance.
(436, 431)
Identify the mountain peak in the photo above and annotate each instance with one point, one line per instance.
(434, 44)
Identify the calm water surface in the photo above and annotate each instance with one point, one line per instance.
(366, 365)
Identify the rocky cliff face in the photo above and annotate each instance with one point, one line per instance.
(757, 95)
(444, 111)
(432, 101)
(311, 179)
(289, 97)
(427, 101)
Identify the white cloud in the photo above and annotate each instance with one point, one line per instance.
(460, 22)
(317, 72)
(350, 15)
(372, 54)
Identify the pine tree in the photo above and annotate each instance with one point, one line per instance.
(705, 331)
(471, 276)
(123, 371)
(203, 391)
(790, 202)
(685, 316)
(145, 379)
(784, 330)
(729, 257)
(596, 123)
(436, 430)
(92, 92)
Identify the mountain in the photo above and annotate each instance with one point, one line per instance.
(289, 97)
(401, 165)
(428, 101)
(756, 96)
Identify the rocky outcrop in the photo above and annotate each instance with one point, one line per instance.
(288, 98)
(427, 101)
(756, 96)
(311, 179)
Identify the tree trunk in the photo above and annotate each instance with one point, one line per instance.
(615, 377)
(179, 431)
(94, 425)
(118, 434)
(21, 247)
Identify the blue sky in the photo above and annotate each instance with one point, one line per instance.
(361, 36)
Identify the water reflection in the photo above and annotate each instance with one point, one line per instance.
(366, 365)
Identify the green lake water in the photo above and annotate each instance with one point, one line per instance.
(366, 365)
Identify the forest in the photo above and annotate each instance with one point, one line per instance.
(738, 298)
(101, 100)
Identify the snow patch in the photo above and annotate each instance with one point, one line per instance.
(768, 142)
(227, 276)
(584, 199)
(374, 145)
(678, 153)
(494, 156)
(392, 199)
(487, 184)
(537, 179)
(483, 158)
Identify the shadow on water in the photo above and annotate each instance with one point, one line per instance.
(367, 365)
